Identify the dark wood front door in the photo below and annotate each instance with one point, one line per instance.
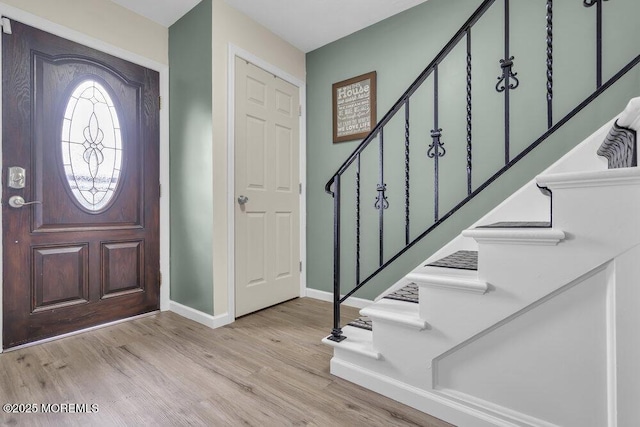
(84, 126)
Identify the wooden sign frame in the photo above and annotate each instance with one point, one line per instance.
(354, 107)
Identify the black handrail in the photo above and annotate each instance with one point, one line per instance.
(506, 82)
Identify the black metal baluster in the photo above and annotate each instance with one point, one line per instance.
(549, 63)
(358, 220)
(336, 333)
(506, 65)
(406, 173)
(469, 135)
(434, 149)
(599, 44)
(598, 4)
(381, 197)
(505, 81)
(381, 201)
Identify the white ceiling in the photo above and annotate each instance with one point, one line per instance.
(306, 24)
(310, 24)
(164, 12)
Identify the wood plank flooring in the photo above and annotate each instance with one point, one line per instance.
(266, 369)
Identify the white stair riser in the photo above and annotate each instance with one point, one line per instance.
(585, 212)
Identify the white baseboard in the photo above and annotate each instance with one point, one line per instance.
(328, 296)
(200, 317)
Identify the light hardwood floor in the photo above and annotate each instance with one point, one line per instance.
(266, 369)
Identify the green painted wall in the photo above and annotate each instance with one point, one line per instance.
(398, 49)
(190, 59)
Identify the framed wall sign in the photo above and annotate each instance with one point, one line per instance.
(354, 107)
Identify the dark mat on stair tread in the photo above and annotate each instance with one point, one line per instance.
(463, 260)
(362, 323)
(408, 293)
(518, 224)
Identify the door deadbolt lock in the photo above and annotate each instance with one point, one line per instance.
(17, 178)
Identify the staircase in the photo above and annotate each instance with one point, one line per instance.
(530, 316)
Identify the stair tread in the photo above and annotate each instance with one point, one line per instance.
(546, 236)
(518, 224)
(359, 341)
(462, 260)
(394, 312)
(408, 293)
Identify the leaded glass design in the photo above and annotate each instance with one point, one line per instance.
(91, 145)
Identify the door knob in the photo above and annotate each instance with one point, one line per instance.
(242, 200)
(18, 202)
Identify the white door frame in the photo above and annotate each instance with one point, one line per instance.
(231, 264)
(163, 69)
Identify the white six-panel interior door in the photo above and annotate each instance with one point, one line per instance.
(267, 193)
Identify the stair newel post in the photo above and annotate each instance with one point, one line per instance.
(507, 81)
(549, 63)
(336, 333)
(407, 237)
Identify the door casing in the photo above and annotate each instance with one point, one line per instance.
(234, 51)
(163, 69)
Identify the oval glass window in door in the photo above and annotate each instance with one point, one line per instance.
(91, 145)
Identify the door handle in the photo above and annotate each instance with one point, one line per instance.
(242, 200)
(18, 202)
